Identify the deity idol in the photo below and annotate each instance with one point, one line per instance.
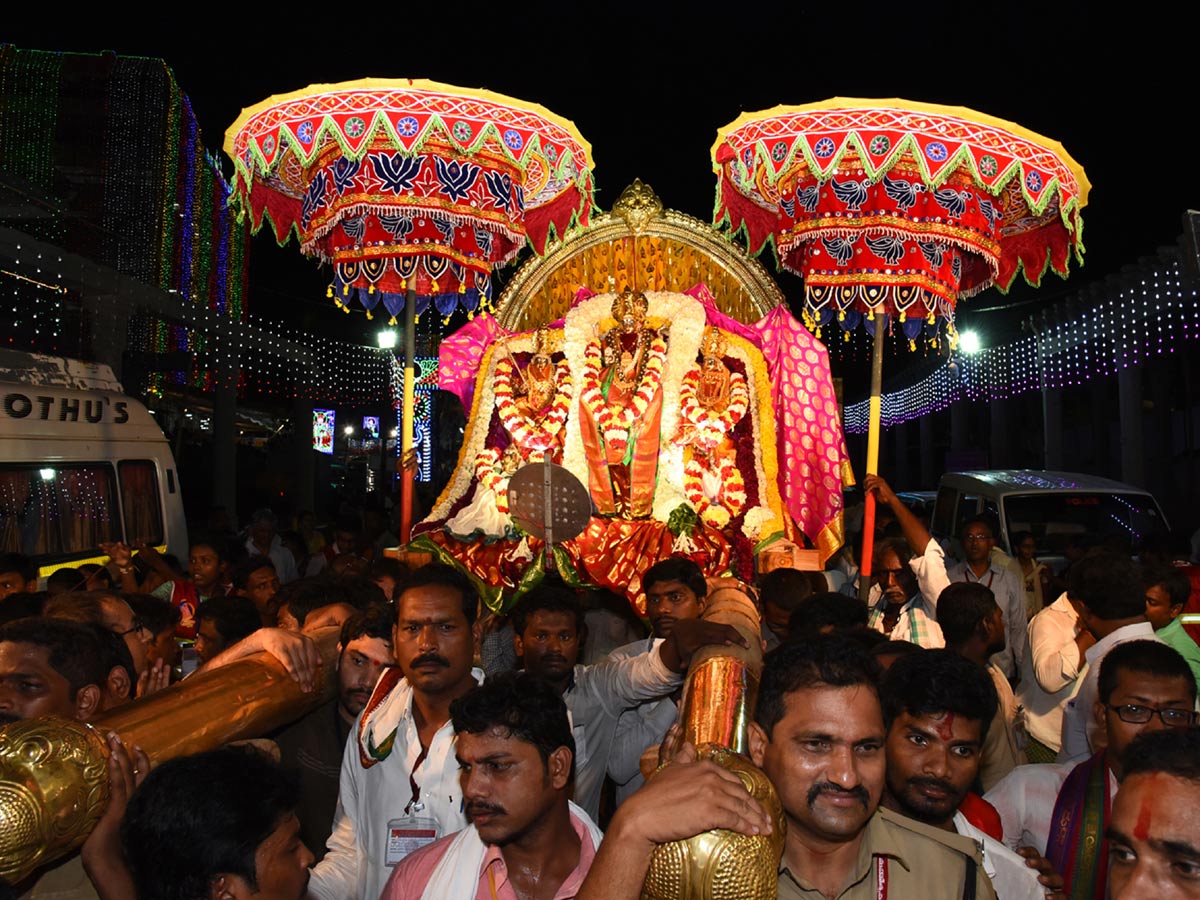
(621, 410)
(533, 401)
(712, 401)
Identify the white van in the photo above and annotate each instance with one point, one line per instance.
(1054, 506)
(80, 464)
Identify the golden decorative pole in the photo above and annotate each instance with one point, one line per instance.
(719, 699)
(53, 773)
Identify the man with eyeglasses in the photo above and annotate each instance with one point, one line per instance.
(114, 613)
(1107, 589)
(978, 538)
(1062, 810)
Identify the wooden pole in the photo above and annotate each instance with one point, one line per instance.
(407, 473)
(874, 411)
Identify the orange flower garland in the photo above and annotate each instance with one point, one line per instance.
(614, 423)
(528, 434)
(705, 429)
(711, 427)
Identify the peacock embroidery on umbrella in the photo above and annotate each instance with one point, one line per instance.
(903, 192)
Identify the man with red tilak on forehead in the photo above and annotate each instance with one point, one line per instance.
(939, 708)
(1154, 835)
(1061, 810)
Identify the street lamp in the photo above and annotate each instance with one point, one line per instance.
(969, 342)
(386, 338)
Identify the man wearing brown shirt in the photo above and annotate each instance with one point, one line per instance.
(818, 734)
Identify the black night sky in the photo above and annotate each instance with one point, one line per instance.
(648, 85)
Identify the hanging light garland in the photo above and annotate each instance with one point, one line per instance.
(1110, 326)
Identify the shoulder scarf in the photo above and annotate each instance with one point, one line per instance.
(1076, 846)
(456, 876)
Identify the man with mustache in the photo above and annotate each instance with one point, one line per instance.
(515, 751)
(973, 624)
(549, 633)
(314, 745)
(939, 708)
(818, 734)
(399, 788)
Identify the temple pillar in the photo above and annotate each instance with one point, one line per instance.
(1052, 428)
(1129, 403)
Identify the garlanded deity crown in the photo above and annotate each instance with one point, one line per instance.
(628, 302)
(714, 344)
(544, 343)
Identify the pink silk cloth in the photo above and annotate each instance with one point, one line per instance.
(812, 447)
(460, 353)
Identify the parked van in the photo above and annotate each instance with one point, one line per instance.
(1054, 506)
(81, 464)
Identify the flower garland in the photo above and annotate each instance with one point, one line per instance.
(492, 477)
(717, 503)
(528, 434)
(615, 423)
(717, 495)
(710, 427)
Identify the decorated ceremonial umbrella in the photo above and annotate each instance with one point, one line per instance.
(413, 191)
(895, 209)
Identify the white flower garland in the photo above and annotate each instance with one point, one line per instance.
(687, 318)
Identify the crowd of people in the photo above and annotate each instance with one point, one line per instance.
(958, 734)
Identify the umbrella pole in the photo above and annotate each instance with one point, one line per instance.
(407, 472)
(876, 402)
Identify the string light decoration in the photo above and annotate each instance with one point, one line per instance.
(1150, 310)
(423, 409)
(143, 196)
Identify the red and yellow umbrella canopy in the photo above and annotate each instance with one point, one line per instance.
(395, 180)
(898, 208)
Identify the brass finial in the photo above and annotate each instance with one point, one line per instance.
(637, 205)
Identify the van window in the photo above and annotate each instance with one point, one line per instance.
(968, 508)
(943, 512)
(139, 500)
(57, 510)
(1061, 517)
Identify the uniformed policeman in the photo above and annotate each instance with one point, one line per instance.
(819, 736)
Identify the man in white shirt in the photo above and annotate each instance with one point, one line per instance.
(345, 540)
(264, 541)
(1112, 606)
(978, 539)
(399, 788)
(1052, 662)
(1138, 680)
(909, 577)
(938, 708)
(548, 637)
(675, 589)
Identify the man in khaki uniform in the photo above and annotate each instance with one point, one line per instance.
(819, 736)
